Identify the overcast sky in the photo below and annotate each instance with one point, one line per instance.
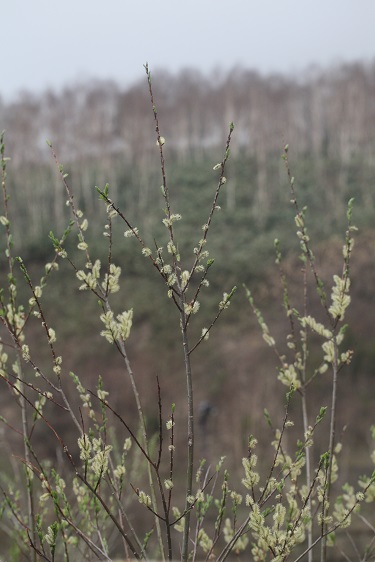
(48, 43)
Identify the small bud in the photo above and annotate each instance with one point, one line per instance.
(169, 424)
(205, 334)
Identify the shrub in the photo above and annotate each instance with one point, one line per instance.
(116, 488)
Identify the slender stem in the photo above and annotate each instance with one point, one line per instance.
(145, 442)
(190, 433)
(308, 471)
(331, 446)
(305, 419)
(30, 496)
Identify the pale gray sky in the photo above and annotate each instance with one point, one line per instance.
(53, 42)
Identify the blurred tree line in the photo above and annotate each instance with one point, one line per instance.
(103, 133)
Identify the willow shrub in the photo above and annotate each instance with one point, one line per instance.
(114, 490)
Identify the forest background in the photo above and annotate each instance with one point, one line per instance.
(104, 133)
